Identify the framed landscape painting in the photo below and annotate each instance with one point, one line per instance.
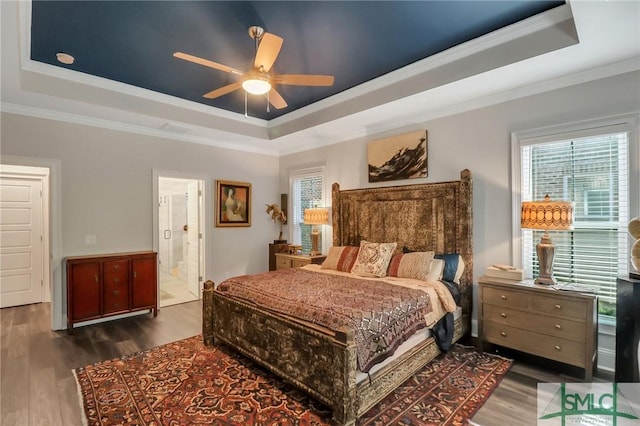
(398, 157)
(232, 203)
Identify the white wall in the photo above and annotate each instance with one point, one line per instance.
(480, 140)
(106, 191)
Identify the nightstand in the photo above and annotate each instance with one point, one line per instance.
(285, 261)
(553, 324)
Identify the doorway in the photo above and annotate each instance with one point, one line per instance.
(24, 235)
(180, 249)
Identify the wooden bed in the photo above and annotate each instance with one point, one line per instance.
(423, 217)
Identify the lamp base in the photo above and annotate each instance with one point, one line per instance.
(546, 251)
(315, 239)
(545, 281)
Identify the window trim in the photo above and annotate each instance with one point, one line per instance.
(309, 172)
(580, 129)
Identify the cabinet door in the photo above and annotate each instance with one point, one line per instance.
(84, 283)
(143, 282)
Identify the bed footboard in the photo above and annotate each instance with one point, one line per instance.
(322, 365)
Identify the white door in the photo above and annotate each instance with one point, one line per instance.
(193, 237)
(21, 241)
(165, 234)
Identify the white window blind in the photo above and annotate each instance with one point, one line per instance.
(592, 172)
(307, 190)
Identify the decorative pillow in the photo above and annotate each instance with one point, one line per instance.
(415, 265)
(453, 266)
(437, 268)
(373, 259)
(341, 258)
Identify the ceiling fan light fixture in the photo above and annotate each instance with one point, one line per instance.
(256, 85)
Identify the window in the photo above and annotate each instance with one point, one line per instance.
(592, 170)
(307, 190)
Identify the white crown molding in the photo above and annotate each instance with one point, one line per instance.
(428, 114)
(130, 128)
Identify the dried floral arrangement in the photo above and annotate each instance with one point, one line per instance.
(277, 215)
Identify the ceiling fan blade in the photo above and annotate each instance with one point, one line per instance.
(268, 51)
(223, 90)
(276, 99)
(304, 79)
(205, 62)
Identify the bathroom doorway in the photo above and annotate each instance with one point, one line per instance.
(179, 239)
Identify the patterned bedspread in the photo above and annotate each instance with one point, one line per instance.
(382, 315)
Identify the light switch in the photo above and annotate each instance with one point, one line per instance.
(89, 240)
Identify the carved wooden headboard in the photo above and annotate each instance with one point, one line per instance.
(423, 217)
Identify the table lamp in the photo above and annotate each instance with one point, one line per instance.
(316, 217)
(547, 215)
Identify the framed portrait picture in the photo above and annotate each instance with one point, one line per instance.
(232, 203)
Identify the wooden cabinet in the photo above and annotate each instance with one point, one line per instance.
(110, 284)
(558, 325)
(285, 261)
(273, 249)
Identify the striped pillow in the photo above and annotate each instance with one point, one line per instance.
(341, 258)
(415, 265)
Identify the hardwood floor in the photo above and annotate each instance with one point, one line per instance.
(38, 387)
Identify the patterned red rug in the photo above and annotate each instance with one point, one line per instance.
(186, 383)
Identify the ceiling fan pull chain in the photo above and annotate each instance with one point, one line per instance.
(245, 105)
(268, 100)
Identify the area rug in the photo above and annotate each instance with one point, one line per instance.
(186, 383)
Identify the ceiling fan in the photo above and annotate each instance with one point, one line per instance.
(258, 80)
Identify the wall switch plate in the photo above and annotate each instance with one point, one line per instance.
(89, 240)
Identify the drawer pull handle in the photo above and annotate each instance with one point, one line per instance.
(558, 306)
(503, 315)
(96, 278)
(116, 266)
(115, 280)
(116, 292)
(503, 297)
(556, 347)
(135, 274)
(558, 327)
(503, 334)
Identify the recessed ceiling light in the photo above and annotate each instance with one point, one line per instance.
(65, 58)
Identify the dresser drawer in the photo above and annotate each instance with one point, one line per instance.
(504, 297)
(283, 262)
(554, 348)
(116, 266)
(296, 263)
(116, 278)
(559, 306)
(558, 327)
(116, 297)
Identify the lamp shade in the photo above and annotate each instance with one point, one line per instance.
(316, 216)
(547, 214)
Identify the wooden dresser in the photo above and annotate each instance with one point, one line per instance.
(285, 261)
(104, 285)
(558, 325)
